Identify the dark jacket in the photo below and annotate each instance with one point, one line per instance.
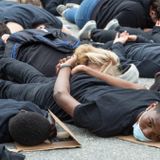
(132, 13)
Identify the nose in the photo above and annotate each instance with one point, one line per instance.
(148, 132)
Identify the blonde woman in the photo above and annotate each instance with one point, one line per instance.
(104, 61)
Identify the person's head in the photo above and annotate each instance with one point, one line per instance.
(149, 124)
(30, 128)
(4, 29)
(154, 11)
(104, 60)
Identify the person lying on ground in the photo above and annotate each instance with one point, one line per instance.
(108, 107)
(25, 16)
(25, 123)
(90, 32)
(136, 49)
(41, 48)
(95, 97)
(137, 13)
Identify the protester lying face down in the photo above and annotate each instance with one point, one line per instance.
(105, 61)
(31, 128)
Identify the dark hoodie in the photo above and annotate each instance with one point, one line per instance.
(132, 13)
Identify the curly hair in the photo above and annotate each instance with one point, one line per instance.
(29, 128)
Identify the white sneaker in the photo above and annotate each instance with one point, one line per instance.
(112, 25)
(60, 9)
(85, 32)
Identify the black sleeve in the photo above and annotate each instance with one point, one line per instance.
(52, 5)
(118, 48)
(141, 39)
(87, 116)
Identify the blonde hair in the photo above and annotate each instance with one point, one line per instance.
(107, 60)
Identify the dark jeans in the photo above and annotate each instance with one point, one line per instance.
(32, 85)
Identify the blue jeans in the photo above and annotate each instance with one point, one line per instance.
(83, 14)
(34, 87)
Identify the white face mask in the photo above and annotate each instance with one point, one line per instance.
(138, 134)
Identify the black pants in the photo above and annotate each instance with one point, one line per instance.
(29, 84)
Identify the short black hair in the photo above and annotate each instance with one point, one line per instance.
(4, 29)
(29, 128)
(155, 4)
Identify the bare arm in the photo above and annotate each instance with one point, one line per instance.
(111, 80)
(62, 90)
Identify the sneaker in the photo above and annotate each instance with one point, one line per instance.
(60, 9)
(112, 25)
(85, 32)
(156, 84)
(72, 5)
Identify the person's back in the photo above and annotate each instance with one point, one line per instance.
(128, 12)
(28, 16)
(43, 50)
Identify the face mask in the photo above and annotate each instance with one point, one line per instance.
(138, 134)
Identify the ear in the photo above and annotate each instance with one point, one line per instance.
(152, 106)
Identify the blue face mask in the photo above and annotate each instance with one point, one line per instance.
(138, 134)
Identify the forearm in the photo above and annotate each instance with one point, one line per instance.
(111, 80)
(62, 92)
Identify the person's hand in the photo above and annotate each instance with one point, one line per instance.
(5, 37)
(132, 38)
(121, 37)
(69, 60)
(78, 68)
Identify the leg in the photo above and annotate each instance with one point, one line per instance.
(84, 12)
(38, 93)
(69, 14)
(20, 72)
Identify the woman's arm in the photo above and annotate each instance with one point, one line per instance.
(61, 91)
(111, 80)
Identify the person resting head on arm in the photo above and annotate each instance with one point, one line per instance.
(104, 61)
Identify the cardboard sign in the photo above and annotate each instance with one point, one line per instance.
(133, 140)
(64, 139)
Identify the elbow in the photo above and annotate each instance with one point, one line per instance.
(57, 95)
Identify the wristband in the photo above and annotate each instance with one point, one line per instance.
(65, 65)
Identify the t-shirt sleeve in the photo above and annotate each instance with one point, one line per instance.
(87, 116)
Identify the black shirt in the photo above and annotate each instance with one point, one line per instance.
(8, 109)
(106, 110)
(42, 57)
(128, 12)
(28, 16)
